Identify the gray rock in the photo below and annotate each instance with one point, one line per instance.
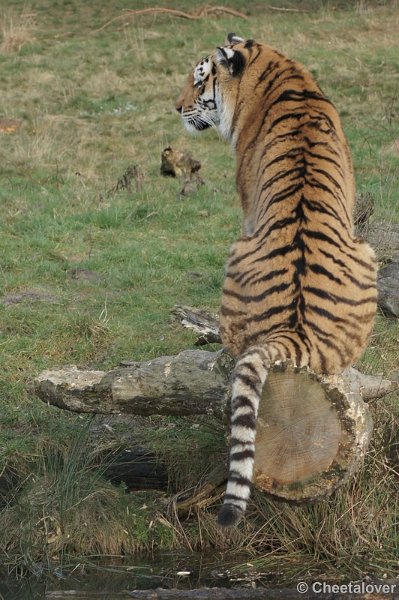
(388, 289)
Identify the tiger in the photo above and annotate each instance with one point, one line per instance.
(299, 286)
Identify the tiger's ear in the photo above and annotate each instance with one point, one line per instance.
(232, 59)
(232, 38)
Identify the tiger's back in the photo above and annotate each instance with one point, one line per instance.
(299, 285)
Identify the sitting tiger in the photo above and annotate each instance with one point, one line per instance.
(299, 284)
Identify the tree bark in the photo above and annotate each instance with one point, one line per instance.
(194, 382)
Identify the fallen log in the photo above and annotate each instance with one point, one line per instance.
(192, 383)
(312, 431)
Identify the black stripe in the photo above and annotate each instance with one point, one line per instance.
(286, 193)
(269, 68)
(318, 185)
(233, 497)
(312, 144)
(335, 260)
(235, 442)
(248, 420)
(320, 118)
(266, 277)
(255, 58)
(361, 286)
(294, 75)
(274, 79)
(319, 270)
(337, 299)
(248, 382)
(239, 258)
(239, 479)
(281, 251)
(240, 276)
(300, 170)
(316, 206)
(277, 225)
(248, 365)
(323, 361)
(348, 246)
(276, 140)
(326, 313)
(275, 310)
(344, 266)
(327, 159)
(364, 318)
(330, 178)
(229, 312)
(298, 350)
(291, 95)
(268, 292)
(290, 154)
(285, 117)
(261, 333)
(317, 330)
(241, 400)
(243, 455)
(323, 237)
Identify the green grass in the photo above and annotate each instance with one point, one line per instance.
(91, 103)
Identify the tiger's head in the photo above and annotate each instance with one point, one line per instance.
(208, 98)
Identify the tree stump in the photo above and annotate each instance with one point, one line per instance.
(312, 434)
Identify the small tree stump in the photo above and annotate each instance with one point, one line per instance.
(312, 434)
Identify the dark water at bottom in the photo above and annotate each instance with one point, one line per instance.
(166, 570)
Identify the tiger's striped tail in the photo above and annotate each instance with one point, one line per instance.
(248, 380)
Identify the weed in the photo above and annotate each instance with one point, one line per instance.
(16, 31)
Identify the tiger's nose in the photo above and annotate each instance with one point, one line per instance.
(179, 107)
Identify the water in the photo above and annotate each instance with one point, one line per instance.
(166, 570)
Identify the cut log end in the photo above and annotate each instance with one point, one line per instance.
(312, 434)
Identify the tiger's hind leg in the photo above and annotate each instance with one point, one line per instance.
(235, 308)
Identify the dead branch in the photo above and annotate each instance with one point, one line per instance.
(200, 13)
(203, 323)
(282, 9)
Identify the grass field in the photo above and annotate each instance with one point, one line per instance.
(89, 274)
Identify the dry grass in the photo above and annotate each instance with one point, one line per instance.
(16, 31)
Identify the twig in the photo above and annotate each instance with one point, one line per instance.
(203, 11)
(282, 9)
